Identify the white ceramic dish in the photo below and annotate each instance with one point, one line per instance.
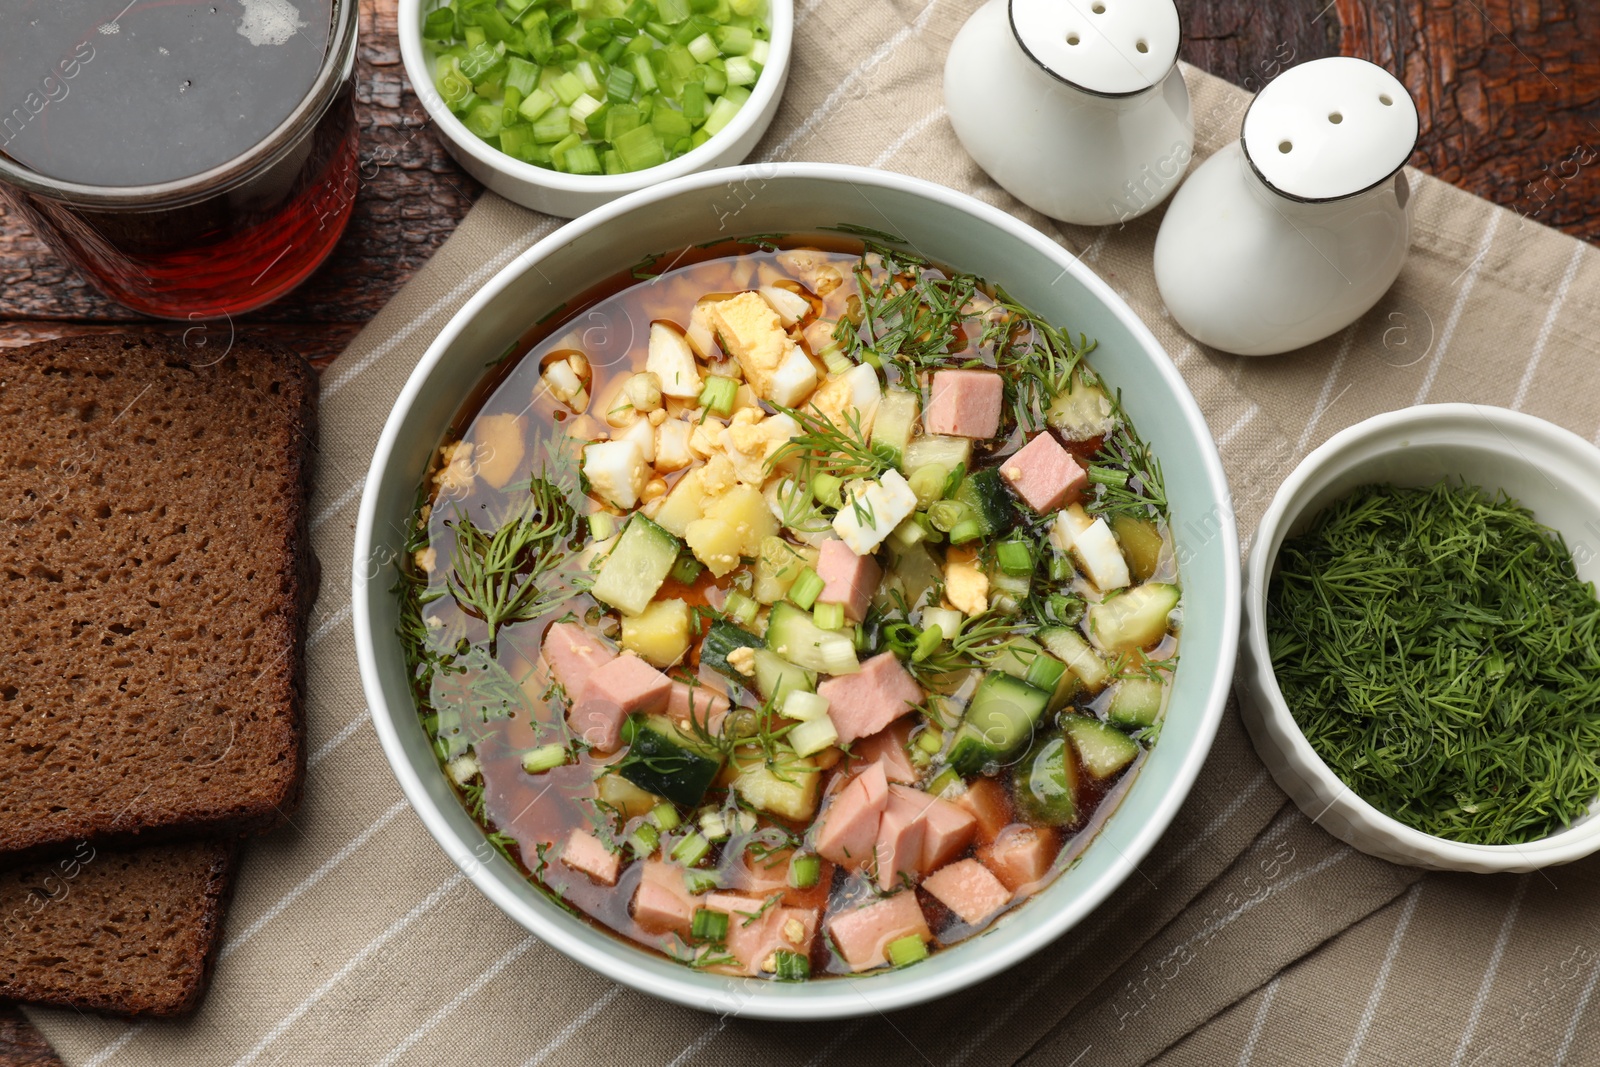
(946, 226)
(1554, 473)
(570, 195)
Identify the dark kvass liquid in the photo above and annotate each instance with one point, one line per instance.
(113, 93)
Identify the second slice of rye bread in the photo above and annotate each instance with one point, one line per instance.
(155, 579)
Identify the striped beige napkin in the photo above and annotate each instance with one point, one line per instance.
(353, 940)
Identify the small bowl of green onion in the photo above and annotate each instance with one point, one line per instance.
(1421, 652)
(564, 105)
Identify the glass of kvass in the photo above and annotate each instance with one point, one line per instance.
(192, 158)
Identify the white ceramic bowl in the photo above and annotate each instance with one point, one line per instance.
(1554, 473)
(948, 227)
(570, 195)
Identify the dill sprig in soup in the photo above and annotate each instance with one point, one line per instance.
(792, 607)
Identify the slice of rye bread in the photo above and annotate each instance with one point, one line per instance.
(129, 932)
(155, 580)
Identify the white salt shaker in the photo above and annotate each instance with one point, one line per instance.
(1075, 107)
(1297, 229)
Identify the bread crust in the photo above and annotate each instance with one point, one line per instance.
(205, 735)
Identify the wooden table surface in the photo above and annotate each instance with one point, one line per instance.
(1509, 97)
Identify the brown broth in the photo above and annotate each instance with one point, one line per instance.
(610, 324)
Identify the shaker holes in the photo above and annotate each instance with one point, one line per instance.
(1385, 100)
(1098, 9)
(1143, 46)
(1335, 118)
(1072, 38)
(1285, 147)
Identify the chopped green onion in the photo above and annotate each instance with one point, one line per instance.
(1099, 475)
(552, 126)
(644, 840)
(738, 606)
(1060, 567)
(735, 40)
(790, 966)
(568, 87)
(946, 783)
(806, 588)
(672, 12)
(718, 393)
(709, 925)
(828, 616)
(703, 48)
(1014, 557)
(931, 740)
(835, 360)
(928, 483)
(713, 825)
(928, 642)
(907, 950)
(741, 71)
(440, 25)
(946, 515)
(665, 816)
(691, 850)
(722, 113)
(544, 758)
(804, 706)
(699, 880)
(484, 119)
(964, 531)
(804, 870)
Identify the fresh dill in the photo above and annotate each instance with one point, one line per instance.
(1439, 653)
(522, 570)
(825, 447)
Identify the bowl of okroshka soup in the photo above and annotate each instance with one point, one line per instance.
(796, 573)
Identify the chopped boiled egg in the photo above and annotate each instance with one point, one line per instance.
(672, 361)
(672, 445)
(790, 306)
(1093, 545)
(642, 434)
(774, 366)
(873, 509)
(617, 471)
(856, 390)
(752, 438)
(965, 584)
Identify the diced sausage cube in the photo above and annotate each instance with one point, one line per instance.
(863, 935)
(573, 654)
(969, 889)
(1020, 856)
(757, 931)
(964, 403)
(947, 829)
(1044, 474)
(584, 852)
(847, 579)
(886, 747)
(900, 835)
(762, 874)
(662, 903)
(698, 703)
(625, 685)
(986, 800)
(863, 703)
(848, 829)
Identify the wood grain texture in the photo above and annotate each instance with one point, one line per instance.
(1509, 95)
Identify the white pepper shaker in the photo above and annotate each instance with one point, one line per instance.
(1075, 107)
(1297, 229)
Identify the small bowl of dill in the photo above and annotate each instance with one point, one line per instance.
(1421, 652)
